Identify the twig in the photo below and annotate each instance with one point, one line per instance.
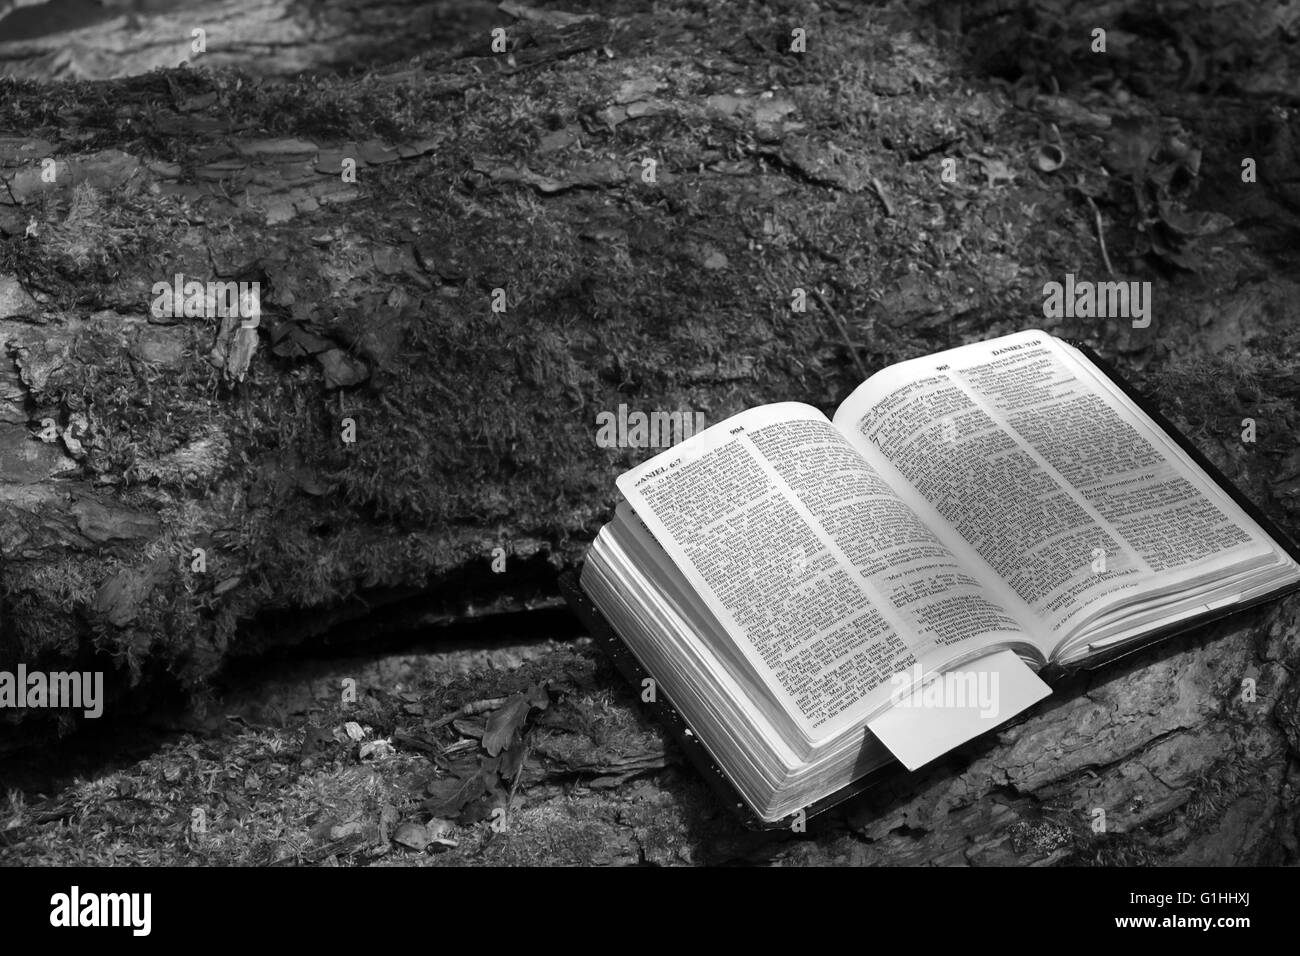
(844, 331)
(460, 747)
(416, 742)
(884, 200)
(1101, 236)
(471, 709)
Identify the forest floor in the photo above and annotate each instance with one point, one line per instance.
(924, 172)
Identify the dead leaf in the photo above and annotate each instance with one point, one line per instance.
(637, 89)
(539, 696)
(448, 795)
(345, 830)
(375, 748)
(342, 370)
(440, 832)
(1064, 109)
(470, 726)
(995, 170)
(225, 585)
(412, 835)
(504, 724)
(511, 760)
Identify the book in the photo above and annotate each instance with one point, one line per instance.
(819, 597)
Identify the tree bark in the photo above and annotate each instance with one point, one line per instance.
(82, 39)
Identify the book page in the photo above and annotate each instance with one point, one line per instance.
(957, 706)
(1065, 493)
(830, 583)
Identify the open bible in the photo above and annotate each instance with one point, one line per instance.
(804, 589)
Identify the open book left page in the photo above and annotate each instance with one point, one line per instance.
(823, 576)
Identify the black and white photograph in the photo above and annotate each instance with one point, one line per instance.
(676, 435)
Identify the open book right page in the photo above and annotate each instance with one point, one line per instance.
(1100, 526)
